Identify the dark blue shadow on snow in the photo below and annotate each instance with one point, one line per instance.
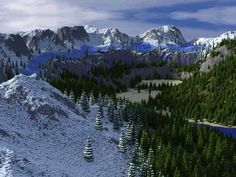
(33, 66)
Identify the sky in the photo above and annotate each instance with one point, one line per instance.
(195, 18)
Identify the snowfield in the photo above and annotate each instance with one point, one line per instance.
(135, 96)
(43, 134)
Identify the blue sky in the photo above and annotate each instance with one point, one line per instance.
(195, 18)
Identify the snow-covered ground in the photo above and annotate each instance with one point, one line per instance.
(135, 96)
(43, 134)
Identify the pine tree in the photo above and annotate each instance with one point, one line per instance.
(150, 156)
(91, 99)
(177, 173)
(100, 99)
(135, 154)
(88, 150)
(129, 133)
(141, 156)
(110, 110)
(72, 96)
(100, 109)
(143, 170)
(120, 112)
(66, 93)
(131, 171)
(150, 171)
(99, 120)
(121, 145)
(116, 125)
(84, 102)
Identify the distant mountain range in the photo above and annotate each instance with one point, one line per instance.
(80, 37)
(74, 41)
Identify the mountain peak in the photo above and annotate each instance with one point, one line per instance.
(164, 35)
(37, 95)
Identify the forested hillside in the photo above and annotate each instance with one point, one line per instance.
(208, 96)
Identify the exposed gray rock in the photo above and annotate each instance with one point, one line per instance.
(16, 43)
(210, 62)
(72, 33)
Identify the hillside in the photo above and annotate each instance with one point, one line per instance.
(208, 95)
(42, 133)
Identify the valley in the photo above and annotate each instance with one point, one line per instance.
(82, 101)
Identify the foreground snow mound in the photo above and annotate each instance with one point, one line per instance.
(43, 134)
(36, 95)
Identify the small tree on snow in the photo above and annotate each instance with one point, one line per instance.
(129, 134)
(131, 171)
(100, 99)
(99, 117)
(84, 102)
(91, 99)
(66, 93)
(110, 110)
(100, 109)
(121, 145)
(72, 96)
(135, 154)
(116, 122)
(88, 151)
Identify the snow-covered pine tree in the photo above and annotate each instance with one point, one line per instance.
(116, 124)
(135, 154)
(131, 171)
(120, 112)
(110, 110)
(150, 156)
(143, 170)
(99, 117)
(100, 99)
(121, 145)
(129, 133)
(91, 99)
(150, 171)
(100, 109)
(141, 156)
(84, 102)
(88, 150)
(72, 96)
(66, 93)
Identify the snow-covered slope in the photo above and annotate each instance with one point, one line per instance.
(107, 37)
(43, 134)
(212, 42)
(164, 35)
(42, 41)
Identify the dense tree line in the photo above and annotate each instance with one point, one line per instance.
(208, 96)
(170, 146)
(70, 82)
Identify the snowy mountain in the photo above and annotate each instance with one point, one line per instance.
(43, 134)
(36, 47)
(107, 38)
(212, 42)
(13, 47)
(79, 36)
(164, 36)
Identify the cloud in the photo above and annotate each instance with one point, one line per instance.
(24, 15)
(216, 15)
(18, 15)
